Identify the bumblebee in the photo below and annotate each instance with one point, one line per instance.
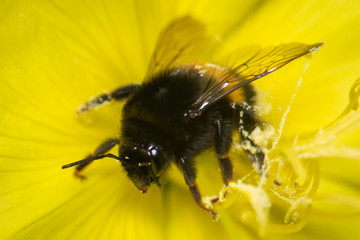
(188, 104)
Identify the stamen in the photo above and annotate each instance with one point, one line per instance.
(291, 178)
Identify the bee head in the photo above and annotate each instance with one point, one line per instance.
(143, 163)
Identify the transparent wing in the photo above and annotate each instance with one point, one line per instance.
(183, 41)
(250, 64)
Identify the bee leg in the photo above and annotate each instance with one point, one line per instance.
(255, 154)
(118, 94)
(247, 124)
(103, 148)
(223, 142)
(188, 169)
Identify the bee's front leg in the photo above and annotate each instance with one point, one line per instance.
(118, 94)
(101, 149)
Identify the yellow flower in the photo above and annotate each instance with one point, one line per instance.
(55, 54)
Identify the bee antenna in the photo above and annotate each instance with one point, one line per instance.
(90, 159)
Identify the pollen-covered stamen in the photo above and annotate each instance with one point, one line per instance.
(298, 175)
(299, 164)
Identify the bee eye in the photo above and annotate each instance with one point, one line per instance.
(153, 151)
